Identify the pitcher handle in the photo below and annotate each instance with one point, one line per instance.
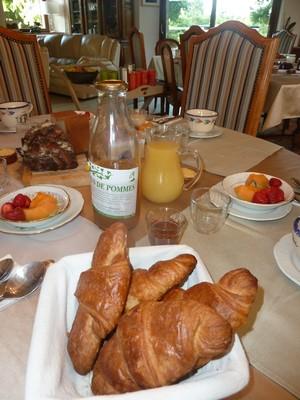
(200, 167)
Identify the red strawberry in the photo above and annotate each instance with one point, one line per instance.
(21, 200)
(275, 182)
(261, 197)
(17, 214)
(275, 194)
(6, 208)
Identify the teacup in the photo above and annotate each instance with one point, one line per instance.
(200, 120)
(290, 58)
(15, 112)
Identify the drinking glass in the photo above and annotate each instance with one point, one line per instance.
(3, 174)
(209, 209)
(165, 225)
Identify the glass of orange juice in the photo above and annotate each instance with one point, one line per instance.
(162, 174)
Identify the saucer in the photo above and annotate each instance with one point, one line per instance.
(287, 260)
(206, 135)
(239, 211)
(5, 129)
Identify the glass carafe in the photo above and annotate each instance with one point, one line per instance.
(113, 158)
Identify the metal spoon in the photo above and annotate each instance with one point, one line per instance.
(6, 266)
(24, 280)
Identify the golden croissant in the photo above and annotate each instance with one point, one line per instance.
(101, 292)
(152, 284)
(157, 343)
(232, 297)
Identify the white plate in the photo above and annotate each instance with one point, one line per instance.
(287, 259)
(62, 197)
(231, 181)
(206, 135)
(4, 129)
(49, 370)
(76, 204)
(251, 215)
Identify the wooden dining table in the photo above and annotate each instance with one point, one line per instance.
(281, 163)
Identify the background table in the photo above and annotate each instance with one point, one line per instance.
(283, 99)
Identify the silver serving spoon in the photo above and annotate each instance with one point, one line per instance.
(24, 280)
(6, 266)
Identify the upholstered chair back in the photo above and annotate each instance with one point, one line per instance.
(185, 37)
(22, 76)
(137, 48)
(286, 41)
(228, 70)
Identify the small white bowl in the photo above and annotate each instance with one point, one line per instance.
(62, 197)
(231, 181)
(201, 120)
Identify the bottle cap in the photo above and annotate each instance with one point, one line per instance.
(111, 85)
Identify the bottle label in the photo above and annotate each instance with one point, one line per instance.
(114, 192)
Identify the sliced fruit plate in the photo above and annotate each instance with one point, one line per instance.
(257, 191)
(33, 206)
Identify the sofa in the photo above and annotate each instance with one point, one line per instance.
(98, 51)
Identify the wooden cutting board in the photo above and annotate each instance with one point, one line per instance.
(70, 177)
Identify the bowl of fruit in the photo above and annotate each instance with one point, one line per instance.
(33, 206)
(81, 75)
(260, 192)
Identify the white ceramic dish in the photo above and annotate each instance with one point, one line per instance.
(206, 135)
(231, 181)
(287, 259)
(270, 215)
(75, 206)
(49, 370)
(62, 197)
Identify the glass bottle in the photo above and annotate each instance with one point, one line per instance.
(114, 159)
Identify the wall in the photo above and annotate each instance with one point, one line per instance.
(290, 8)
(147, 21)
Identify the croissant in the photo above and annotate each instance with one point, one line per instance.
(232, 297)
(158, 343)
(101, 292)
(152, 284)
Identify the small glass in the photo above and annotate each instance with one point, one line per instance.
(3, 174)
(138, 117)
(209, 209)
(165, 225)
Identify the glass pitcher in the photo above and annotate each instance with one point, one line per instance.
(162, 173)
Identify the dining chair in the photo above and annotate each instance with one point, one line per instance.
(184, 44)
(137, 48)
(228, 70)
(286, 41)
(174, 44)
(171, 91)
(22, 76)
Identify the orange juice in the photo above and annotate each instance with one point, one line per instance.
(162, 177)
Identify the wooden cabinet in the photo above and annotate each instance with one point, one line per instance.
(113, 18)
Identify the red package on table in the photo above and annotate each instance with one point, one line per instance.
(151, 77)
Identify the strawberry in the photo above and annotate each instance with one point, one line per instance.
(21, 200)
(261, 197)
(6, 208)
(275, 182)
(17, 214)
(275, 194)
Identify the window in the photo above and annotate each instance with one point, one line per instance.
(180, 14)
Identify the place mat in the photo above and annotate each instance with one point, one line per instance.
(232, 152)
(271, 336)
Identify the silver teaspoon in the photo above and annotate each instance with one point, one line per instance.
(24, 280)
(6, 266)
